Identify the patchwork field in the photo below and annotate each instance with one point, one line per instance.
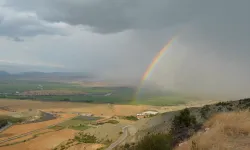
(44, 142)
(68, 122)
(69, 103)
(82, 92)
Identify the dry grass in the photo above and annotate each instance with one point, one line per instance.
(226, 131)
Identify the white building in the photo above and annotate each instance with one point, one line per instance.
(147, 113)
(150, 112)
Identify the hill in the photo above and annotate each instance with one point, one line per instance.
(47, 76)
(214, 126)
(229, 131)
(4, 74)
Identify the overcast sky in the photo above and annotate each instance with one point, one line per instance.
(119, 38)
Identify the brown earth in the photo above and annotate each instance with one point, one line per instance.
(44, 142)
(52, 139)
(86, 147)
(96, 109)
(24, 128)
(26, 137)
(3, 112)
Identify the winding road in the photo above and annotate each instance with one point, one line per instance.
(121, 139)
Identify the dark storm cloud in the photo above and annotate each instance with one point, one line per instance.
(17, 39)
(215, 37)
(107, 16)
(15, 23)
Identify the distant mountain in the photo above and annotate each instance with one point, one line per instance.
(4, 74)
(57, 74)
(47, 76)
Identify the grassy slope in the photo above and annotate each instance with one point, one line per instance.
(226, 131)
(228, 124)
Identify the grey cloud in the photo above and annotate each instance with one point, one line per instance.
(15, 24)
(215, 40)
(107, 16)
(17, 39)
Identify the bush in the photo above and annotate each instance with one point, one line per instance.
(126, 146)
(11, 119)
(204, 111)
(222, 104)
(183, 126)
(3, 123)
(133, 118)
(184, 119)
(85, 138)
(65, 100)
(113, 121)
(153, 142)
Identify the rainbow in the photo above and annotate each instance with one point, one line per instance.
(156, 59)
(154, 62)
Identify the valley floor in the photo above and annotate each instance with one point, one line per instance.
(48, 138)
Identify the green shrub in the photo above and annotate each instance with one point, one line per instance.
(184, 119)
(3, 123)
(153, 142)
(133, 118)
(183, 126)
(222, 104)
(204, 111)
(85, 138)
(11, 119)
(113, 121)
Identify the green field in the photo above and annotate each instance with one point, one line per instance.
(11, 86)
(162, 100)
(120, 95)
(77, 123)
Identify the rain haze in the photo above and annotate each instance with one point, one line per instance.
(117, 40)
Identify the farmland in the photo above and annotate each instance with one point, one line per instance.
(106, 123)
(66, 103)
(74, 92)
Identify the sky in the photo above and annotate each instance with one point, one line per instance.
(118, 39)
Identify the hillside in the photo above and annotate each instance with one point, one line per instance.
(46, 76)
(4, 74)
(198, 128)
(228, 131)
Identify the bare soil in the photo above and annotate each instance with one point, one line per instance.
(86, 147)
(24, 128)
(44, 142)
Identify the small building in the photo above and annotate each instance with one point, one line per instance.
(147, 114)
(150, 112)
(87, 115)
